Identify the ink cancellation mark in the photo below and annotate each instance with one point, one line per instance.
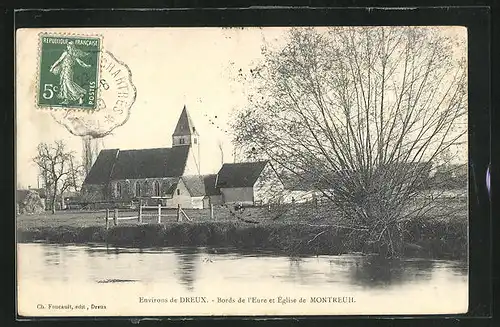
(68, 71)
(116, 96)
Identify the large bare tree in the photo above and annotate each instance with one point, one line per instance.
(362, 114)
(59, 170)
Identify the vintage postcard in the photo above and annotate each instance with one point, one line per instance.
(241, 171)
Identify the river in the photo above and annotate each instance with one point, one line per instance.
(96, 280)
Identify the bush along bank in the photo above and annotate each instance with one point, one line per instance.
(432, 239)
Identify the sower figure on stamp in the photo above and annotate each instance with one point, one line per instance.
(68, 89)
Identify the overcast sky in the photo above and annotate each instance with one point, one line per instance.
(171, 67)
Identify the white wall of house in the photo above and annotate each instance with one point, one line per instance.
(242, 195)
(181, 196)
(298, 196)
(268, 187)
(197, 202)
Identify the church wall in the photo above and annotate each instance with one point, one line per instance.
(125, 190)
(184, 140)
(124, 193)
(128, 188)
(180, 195)
(193, 162)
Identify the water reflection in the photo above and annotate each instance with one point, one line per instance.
(299, 272)
(66, 273)
(187, 263)
(52, 256)
(377, 271)
(190, 267)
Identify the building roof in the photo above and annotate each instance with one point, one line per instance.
(101, 169)
(185, 125)
(243, 174)
(201, 185)
(150, 163)
(195, 185)
(170, 185)
(210, 185)
(137, 164)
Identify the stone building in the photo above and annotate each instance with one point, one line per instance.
(150, 174)
(171, 176)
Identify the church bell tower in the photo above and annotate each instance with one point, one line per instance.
(185, 134)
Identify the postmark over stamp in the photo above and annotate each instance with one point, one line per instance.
(116, 95)
(68, 71)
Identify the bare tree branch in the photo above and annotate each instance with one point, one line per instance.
(362, 115)
(59, 170)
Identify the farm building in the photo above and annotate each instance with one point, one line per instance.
(249, 183)
(172, 176)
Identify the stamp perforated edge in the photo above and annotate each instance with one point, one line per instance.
(38, 68)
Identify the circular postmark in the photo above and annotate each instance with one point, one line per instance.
(115, 97)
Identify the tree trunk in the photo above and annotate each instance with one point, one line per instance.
(54, 197)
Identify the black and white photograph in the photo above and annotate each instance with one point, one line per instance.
(229, 171)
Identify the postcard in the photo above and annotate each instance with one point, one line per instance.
(257, 171)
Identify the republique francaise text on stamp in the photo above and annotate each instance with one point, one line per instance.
(68, 71)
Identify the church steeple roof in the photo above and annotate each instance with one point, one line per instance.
(185, 125)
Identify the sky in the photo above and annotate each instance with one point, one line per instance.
(171, 67)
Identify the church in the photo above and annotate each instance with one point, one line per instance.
(171, 176)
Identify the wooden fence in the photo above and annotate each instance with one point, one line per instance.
(179, 214)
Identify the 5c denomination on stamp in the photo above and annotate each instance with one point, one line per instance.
(68, 71)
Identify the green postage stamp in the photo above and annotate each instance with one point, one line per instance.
(68, 71)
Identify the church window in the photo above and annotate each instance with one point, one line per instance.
(178, 192)
(194, 129)
(181, 141)
(118, 189)
(156, 186)
(137, 188)
(195, 140)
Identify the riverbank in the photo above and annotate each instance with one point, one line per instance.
(438, 239)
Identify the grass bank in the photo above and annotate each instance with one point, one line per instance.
(440, 239)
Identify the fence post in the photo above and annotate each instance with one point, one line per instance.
(159, 213)
(107, 218)
(178, 212)
(139, 217)
(115, 217)
(211, 211)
